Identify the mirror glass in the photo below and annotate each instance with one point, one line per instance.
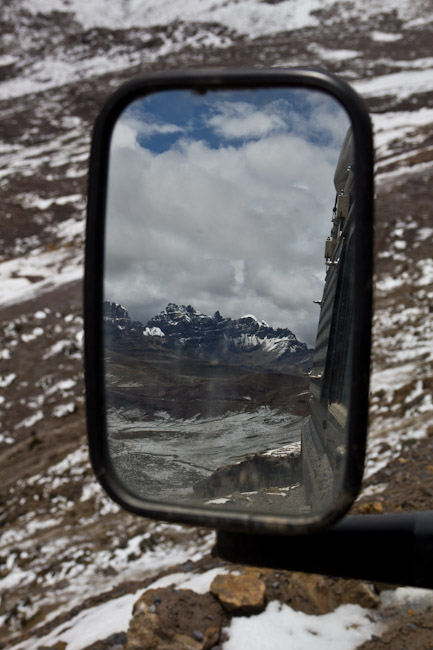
(227, 293)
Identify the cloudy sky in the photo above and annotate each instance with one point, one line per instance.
(223, 201)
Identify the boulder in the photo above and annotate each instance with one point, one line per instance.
(168, 619)
(316, 594)
(240, 595)
(254, 473)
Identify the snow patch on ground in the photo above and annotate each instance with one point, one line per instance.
(397, 84)
(90, 625)
(385, 37)
(113, 616)
(397, 126)
(245, 16)
(401, 408)
(280, 627)
(335, 55)
(24, 278)
(218, 23)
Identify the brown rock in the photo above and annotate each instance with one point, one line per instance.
(360, 593)
(240, 595)
(165, 619)
(371, 508)
(316, 594)
(302, 592)
(312, 589)
(258, 572)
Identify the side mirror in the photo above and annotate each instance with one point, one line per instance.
(222, 206)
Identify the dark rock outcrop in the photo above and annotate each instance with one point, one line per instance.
(255, 472)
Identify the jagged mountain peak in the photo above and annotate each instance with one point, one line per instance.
(174, 315)
(214, 336)
(179, 311)
(115, 311)
(251, 317)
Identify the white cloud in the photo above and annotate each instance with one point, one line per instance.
(242, 120)
(127, 131)
(235, 229)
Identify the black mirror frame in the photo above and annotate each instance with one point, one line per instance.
(201, 81)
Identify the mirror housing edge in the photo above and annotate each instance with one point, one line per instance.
(93, 291)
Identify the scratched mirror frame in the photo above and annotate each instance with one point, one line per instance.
(226, 212)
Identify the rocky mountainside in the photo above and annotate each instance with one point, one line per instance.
(243, 340)
(186, 364)
(71, 563)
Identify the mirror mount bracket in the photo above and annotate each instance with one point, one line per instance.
(403, 547)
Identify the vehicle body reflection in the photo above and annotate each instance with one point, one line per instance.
(324, 435)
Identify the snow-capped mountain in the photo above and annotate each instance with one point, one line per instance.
(211, 336)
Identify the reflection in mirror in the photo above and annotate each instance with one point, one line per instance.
(226, 330)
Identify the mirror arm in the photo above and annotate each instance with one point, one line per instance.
(393, 548)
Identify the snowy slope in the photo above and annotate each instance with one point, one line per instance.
(62, 543)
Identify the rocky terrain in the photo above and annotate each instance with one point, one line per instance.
(216, 365)
(71, 563)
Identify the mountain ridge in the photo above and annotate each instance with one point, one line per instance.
(216, 336)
